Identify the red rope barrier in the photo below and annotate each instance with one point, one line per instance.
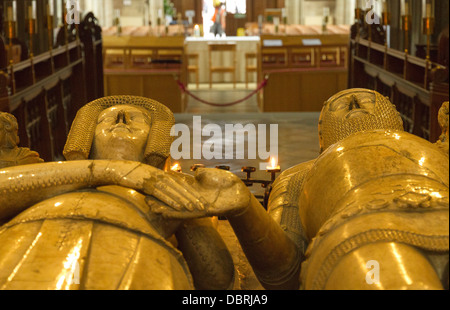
(185, 90)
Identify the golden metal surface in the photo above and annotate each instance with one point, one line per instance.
(63, 231)
(356, 110)
(376, 196)
(79, 141)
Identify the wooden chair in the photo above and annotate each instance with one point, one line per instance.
(224, 47)
(193, 68)
(251, 65)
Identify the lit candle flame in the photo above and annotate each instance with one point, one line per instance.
(176, 167)
(196, 30)
(273, 164)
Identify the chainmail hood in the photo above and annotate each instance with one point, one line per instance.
(81, 135)
(334, 128)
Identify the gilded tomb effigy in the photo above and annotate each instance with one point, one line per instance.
(85, 226)
(375, 195)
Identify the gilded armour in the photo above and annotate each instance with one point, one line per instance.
(384, 186)
(376, 175)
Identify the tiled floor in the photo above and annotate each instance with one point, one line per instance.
(297, 142)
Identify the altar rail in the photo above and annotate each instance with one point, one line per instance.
(417, 87)
(304, 71)
(146, 66)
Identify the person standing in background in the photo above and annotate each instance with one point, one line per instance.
(218, 28)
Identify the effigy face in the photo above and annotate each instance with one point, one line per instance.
(121, 133)
(356, 110)
(157, 149)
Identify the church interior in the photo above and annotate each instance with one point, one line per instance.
(331, 194)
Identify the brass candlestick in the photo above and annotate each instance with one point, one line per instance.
(50, 40)
(31, 23)
(31, 31)
(386, 20)
(274, 168)
(428, 30)
(10, 10)
(11, 26)
(358, 13)
(406, 25)
(273, 172)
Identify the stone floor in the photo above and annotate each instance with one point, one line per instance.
(297, 142)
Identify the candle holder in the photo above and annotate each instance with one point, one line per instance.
(428, 30)
(10, 18)
(196, 167)
(386, 21)
(31, 31)
(31, 23)
(274, 168)
(266, 184)
(273, 172)
(50, 23)
(248, 170)
(324, 24)
(406, 25)
(176, 168)
(276, 22)
(225, 168)
(358, 14)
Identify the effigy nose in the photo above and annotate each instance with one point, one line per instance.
(122, 117)
(354, 104)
